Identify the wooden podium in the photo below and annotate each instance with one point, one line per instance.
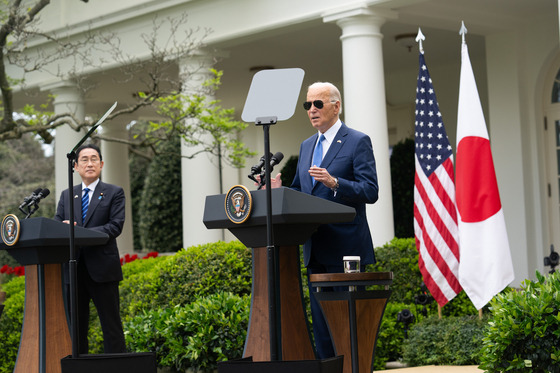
(295, 216)
(353, 317)
(42, 246)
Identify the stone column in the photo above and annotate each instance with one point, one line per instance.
(68, 99)
(116, 171)
(364, 101)
(200, 175)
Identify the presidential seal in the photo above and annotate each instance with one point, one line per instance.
(10, 229)
(238, 204)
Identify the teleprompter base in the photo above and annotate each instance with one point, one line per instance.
(144, 362)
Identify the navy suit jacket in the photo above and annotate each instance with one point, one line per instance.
(350, 158)
(105, 214)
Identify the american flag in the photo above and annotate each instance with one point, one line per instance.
(435, 214)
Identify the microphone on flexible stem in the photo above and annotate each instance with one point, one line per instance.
(274, 160)
(256, 169)
(39, 196)
(29, 198)
(33, 203)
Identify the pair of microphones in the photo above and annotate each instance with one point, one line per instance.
(31, 202)
(259, 168)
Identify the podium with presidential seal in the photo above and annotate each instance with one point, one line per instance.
(295, 216)
(41, 245)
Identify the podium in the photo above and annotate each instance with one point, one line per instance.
(42, 246)
(353, 317)
(295, 216)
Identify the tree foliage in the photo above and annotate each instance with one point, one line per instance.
(402, 178)
(203, 124)
(24, 168)
(160, 210)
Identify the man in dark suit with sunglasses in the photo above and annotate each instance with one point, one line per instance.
(101, 207)
(342, 170)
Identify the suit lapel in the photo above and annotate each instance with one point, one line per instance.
(337, 144)
(77, 195)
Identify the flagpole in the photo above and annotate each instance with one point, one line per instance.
(463, 31)
(434, 193)
(419, 38)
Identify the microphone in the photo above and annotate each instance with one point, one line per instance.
(29, 198)
(276, 158)
(256, 169)
(39, 196)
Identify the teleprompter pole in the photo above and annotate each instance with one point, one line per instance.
(73, 264)
(273, 301)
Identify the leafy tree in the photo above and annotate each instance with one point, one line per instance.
(24, 168)
(402, 178)
(160, 209)
(202, 123)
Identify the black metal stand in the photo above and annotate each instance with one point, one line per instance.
(272, 97)
(73, 264)
(273, 301)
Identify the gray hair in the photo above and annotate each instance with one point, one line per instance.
(334, 92)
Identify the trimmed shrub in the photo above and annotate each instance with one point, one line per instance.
(11, 323)
(449, 341)
(402, 186)
(523, 334)
(400, 257)
(288, 171)
(140, 285)
(195, 336)
(160, 210)
(203, 270)
(390, 337)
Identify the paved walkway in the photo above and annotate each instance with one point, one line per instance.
(436, 369)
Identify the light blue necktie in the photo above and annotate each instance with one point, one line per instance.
(85, 204)
(318, 154)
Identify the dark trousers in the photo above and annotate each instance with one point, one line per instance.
(323, 342)
(105, 297)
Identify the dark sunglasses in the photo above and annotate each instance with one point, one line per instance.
(317, 103)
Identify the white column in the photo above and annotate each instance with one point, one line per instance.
(200, 176)
(365, 104)
(116, 171)
(68, 99)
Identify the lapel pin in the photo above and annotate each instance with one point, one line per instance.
(76, 196)
(338, 141)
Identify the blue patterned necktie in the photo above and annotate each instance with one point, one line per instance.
(85, 204)
(318, 154)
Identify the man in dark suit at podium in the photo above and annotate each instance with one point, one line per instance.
(101, 207)
(337, 164)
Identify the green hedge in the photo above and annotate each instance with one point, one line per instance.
(11, 322)
(401, 257)
(195, 336)
(524, 330)
(206, 286)
(449, 341)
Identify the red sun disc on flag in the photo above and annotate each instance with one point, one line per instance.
(477, 192)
